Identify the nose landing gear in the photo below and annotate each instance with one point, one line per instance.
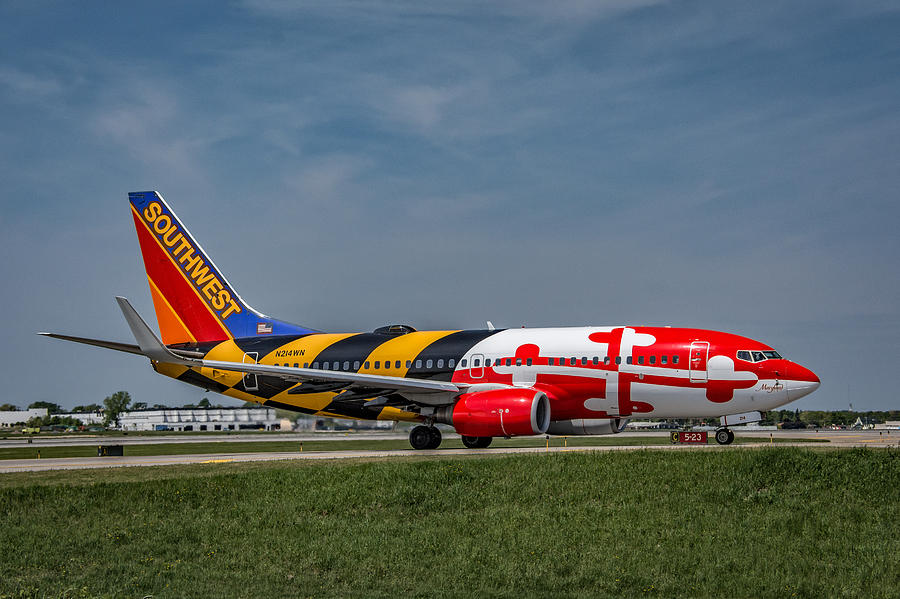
(425, 437)
(724, 436)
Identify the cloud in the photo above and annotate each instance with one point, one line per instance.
(25, 87)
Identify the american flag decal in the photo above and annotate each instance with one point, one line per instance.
(264, 328)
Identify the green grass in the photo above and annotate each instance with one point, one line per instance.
(773, 522)
(217, 447)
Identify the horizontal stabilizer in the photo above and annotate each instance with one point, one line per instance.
(123, 347)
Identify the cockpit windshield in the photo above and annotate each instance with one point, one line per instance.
(758, 356)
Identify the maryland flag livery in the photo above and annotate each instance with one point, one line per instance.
(482, 383)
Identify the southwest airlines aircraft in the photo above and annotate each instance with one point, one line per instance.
(484, 383)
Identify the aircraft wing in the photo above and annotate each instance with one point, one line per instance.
(420, 391)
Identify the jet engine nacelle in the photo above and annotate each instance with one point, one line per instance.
(588, 426)
(499, 413)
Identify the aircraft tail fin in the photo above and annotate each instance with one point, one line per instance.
(194, 302)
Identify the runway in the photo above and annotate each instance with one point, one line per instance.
(836, 439)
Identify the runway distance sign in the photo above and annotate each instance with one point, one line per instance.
(689, 437)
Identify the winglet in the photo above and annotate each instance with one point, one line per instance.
(147, 340)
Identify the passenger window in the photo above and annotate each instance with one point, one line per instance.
(440, 363)
(663, 359)
(509, 361)
(377, 364)
(583, 360)
(430, 363)
(356, 365)
(346, 364)
(640, 359)
(462, 362)
(316, 365)
(618, 359)
(528, 362)
(397, 364)
(652, 360)
(408, 363)
(674, 359)
(451, 363)
(306, 364)
(606, 359)
(487, 361)
(595, 360)
(572, 361)
(628, 360)
(550, 361)
(518, 361)
(366, 365)
(418, 363)
(476, 362)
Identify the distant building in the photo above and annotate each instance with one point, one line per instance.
(21, 416)
(890, 425)
(86, 418)
(211, 419)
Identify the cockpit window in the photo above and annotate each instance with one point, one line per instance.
(772, 355)
(744, 355)
(758, 356)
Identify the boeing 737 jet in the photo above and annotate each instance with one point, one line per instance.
(484, 383)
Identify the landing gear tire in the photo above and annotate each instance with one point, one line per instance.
(425, 437)
(724, 436)
(476, 442)
(435, 433)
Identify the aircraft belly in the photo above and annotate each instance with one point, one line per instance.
(676, 402)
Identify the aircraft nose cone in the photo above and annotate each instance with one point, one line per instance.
(802, 381)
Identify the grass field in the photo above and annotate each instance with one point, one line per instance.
(218, 447)
(774, 522)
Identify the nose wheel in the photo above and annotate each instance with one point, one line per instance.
(425, 437)
(724, 436)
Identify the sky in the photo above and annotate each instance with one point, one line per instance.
(721, 165)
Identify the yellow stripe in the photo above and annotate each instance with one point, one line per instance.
(184, 274)
(404, 348)
(310, 345)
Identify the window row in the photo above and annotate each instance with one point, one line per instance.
(376, 364)
(584, 360)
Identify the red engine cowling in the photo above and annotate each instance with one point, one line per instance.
(501, 413)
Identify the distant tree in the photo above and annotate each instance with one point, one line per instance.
(204, 403)
(8, 407)
(139, 405)
(91, 407)
(52, 408)
(159, 406)
(115, 404)
(188, 406)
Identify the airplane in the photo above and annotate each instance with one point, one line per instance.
(484, 383)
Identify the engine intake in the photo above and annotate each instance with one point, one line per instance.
(499, 413)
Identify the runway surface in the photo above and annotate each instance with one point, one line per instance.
(836, 439)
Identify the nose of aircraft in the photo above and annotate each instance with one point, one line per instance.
(801, 381)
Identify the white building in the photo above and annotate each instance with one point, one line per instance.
(211, 419)
(21, 416)
(86, 418)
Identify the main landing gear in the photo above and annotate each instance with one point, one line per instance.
(425, 437)
(724, 436)
(476, 442)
